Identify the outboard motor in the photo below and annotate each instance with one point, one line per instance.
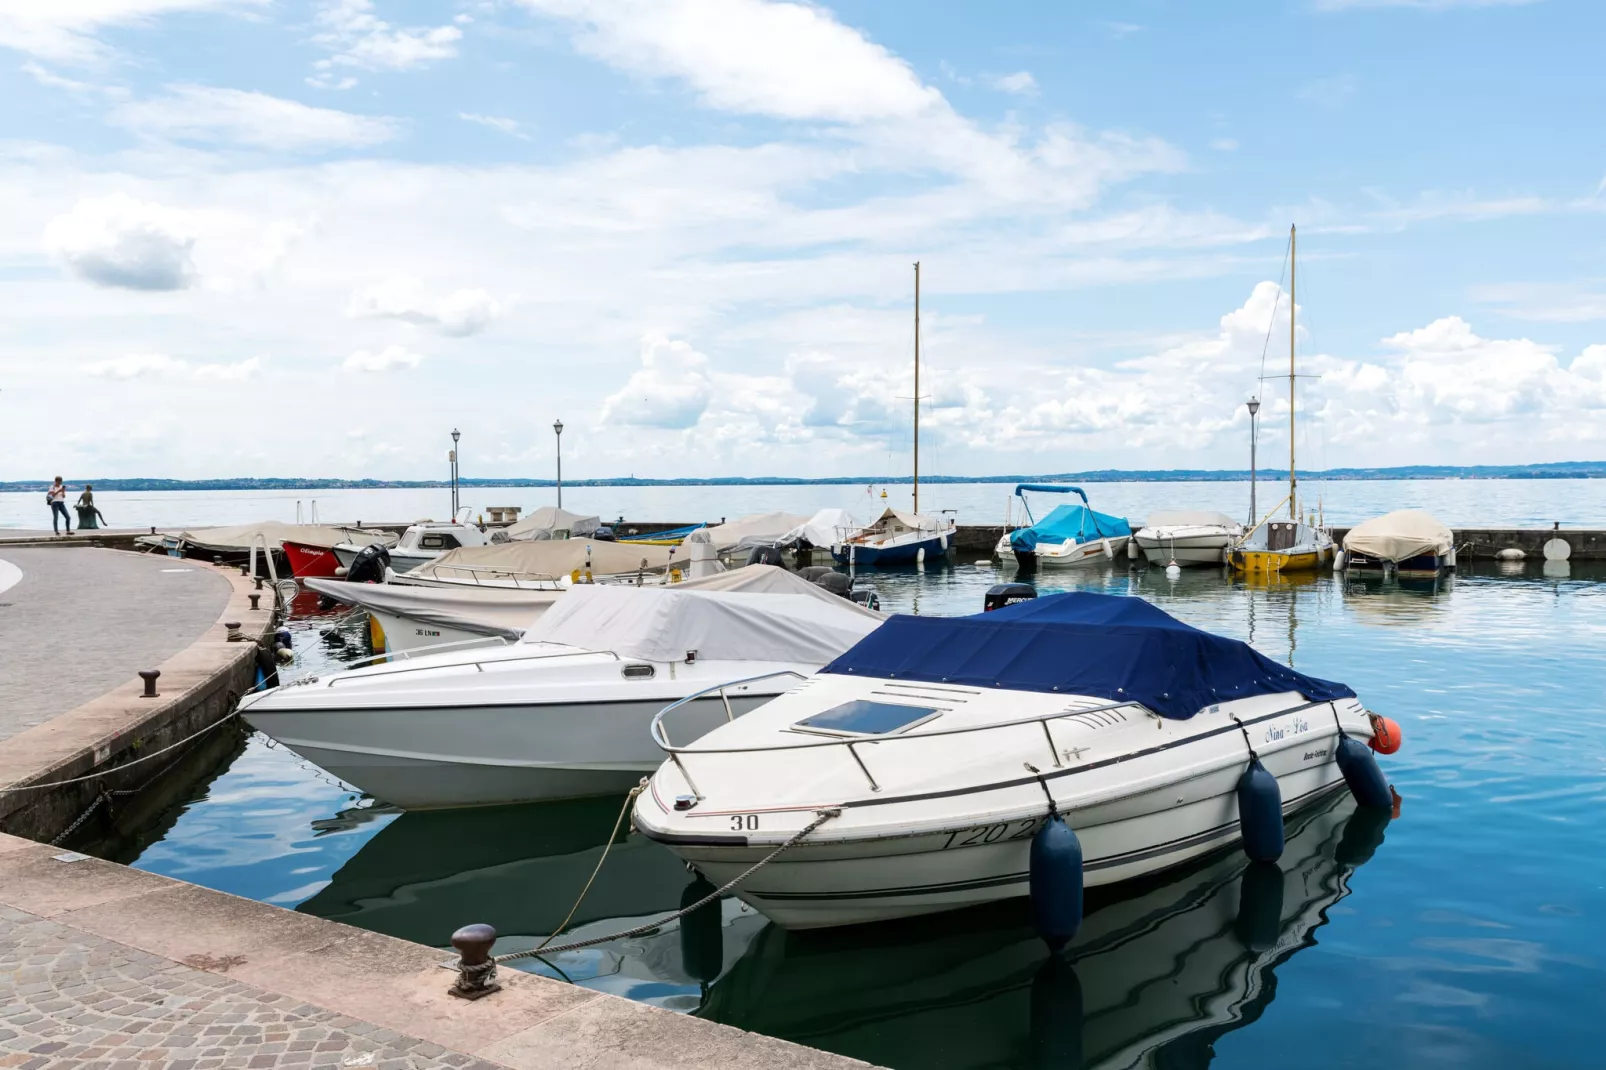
(835, 582)
(602, 534)
(866, 597)
(1007, 594)
(369, 565)
(766, 555)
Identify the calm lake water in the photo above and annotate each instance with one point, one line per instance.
(1457, 502)
(1467, 932)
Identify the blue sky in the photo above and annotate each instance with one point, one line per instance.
(274, 237)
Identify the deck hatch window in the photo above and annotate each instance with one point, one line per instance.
(864, 718)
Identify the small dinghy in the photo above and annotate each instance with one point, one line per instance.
(932, 756)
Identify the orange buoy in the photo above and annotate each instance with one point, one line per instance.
(1385, 734)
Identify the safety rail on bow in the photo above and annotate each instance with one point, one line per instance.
(675, 753)
(479, 666)
(479, 574)
(432, 648)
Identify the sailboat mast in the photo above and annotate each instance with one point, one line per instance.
(1293, 481)
(917, 388)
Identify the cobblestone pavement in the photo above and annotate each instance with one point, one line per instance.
(82, 621)
(72, 999)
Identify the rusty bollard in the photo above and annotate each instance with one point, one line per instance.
(476, 970)
(149, 676)
(235, 635)
(255, 598)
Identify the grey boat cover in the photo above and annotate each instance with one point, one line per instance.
(509, 612)
(544, 522)
(760, 529)
(665, 623)
(551, 558)
(239, 539)
(1399, 536)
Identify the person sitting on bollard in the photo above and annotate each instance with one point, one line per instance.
(89, 517)
(57, 497)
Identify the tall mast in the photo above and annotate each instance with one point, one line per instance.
(917, 387)
(1293, 482)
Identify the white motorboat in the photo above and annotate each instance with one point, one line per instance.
(1188, 537)
(543, 565)
(420, 544)
(1069, 536)
(565, 711)
(927, 749)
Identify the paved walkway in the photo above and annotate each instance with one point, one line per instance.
(82, 621)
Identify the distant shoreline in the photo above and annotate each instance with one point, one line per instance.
(1558, 470)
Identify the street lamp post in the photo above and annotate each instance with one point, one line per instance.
(1254, 408)
(456, 434)
(557, 429)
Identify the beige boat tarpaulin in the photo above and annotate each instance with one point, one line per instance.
(542, 522)
(509, 612)
(548, 557)
(760, 529)
(240, 538)
(1402, 534)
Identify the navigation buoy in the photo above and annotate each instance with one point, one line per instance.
(1260, 906)
(1056, 1026)
(702, 937)
(1260, 813)
(1173, 571)
(1362, 774)
(1386, 738)
(1056, 882)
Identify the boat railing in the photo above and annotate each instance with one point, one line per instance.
(432, 648)
(851, 744)
(478, 573)
(479, 666)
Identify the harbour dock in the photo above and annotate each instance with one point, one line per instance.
(104, 964)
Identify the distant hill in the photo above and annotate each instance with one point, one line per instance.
(1558, 470)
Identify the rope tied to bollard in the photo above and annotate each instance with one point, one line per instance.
(544, 949)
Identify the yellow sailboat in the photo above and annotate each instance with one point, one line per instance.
(1273, 547)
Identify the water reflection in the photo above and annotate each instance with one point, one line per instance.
(1163, 964)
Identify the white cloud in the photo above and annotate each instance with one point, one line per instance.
(357, 38)
(457, 315)
(53, 80)
(1224, 144)
(1556, 303)
(210, 114)
(66, 29)
(670, 390)
(1119, 30)
(495, 122)
(391, 358)
(121, 242)
(143, 365)
(1020, 83)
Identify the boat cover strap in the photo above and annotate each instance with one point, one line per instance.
(1104, 646)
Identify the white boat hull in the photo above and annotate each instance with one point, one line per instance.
(1185, 550)
(1069, 554)
(406, 634)
(890, 856)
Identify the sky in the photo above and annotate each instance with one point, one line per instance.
(310, 237)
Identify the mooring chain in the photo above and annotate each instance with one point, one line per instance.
(824, 816)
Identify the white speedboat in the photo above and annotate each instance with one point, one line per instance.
(1069, 536)
(927, 749)
(1188, 537)
(565, 711)
(420, 544)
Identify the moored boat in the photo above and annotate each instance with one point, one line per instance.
(1187, 537)
(1068, 536)
(420, 544)
(1410, 542)
(896, 538)
(922, 757)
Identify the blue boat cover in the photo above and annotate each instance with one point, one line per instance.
(660, 536)
(1075, 522)
(1106, 646)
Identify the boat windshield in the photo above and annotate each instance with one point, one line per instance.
(865, 718)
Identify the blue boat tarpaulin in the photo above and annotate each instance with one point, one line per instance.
(1104, 646)
(1077, 523)
(660, 536)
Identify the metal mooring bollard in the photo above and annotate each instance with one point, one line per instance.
(255, 598)
(235, 635)
(244, 570)
(476, 970)
(149, 676)
(258, 582)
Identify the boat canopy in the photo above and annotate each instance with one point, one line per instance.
(544, 522)
(1075, 523)
(760, 529)
(1051, 488)
(896, 521)
(824, 528)
(1104, 646)
(666, 623)
(1399, 536)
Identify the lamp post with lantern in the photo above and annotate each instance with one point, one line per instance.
(1254, 409)
(557, 429)
(452, 456)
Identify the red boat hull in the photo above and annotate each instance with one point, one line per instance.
(307, 560)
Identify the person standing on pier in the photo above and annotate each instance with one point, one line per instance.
(57, 497)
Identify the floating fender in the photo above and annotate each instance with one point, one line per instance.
(267, 668)
(702, 936)
(1056, 1027)
(1363, 835)
(1362, 774)
(1338, 560)
(1132, 550)
(1260, 906)
(1260, 813)
(282, 638)
(1386, 738)
(1056, 882)
(1173, 571)
(1109, 551)
(920, 556)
